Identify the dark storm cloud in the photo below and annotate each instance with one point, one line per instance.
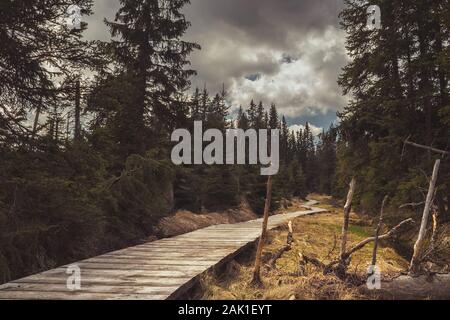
(263, 22)
(294, 46)
(282, 41)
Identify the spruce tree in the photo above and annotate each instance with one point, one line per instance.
(150, 48)
(396, 78)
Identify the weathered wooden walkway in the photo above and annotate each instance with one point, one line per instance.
(158, 270)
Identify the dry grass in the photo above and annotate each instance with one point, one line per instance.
(314, 236)
(185, 221)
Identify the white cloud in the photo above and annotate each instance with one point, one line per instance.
(306, 86)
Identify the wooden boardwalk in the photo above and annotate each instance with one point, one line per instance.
(158, 270)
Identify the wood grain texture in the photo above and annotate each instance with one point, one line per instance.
(158, 270)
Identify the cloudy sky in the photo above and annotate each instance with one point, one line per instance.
(289, 52)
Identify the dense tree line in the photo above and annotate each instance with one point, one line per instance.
(85, 160)
(398, 80)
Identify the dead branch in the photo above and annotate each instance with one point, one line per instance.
(442, 152)
(377, 232)
(344, 260)
(256, 280)
(290, 236)
(436, 238)
(347, 209)
(339, 267)
(334, 246)
(412, 204)
(285, 248)
(391, 234)
(304, 260)
(418, 247)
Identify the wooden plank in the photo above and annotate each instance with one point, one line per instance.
(179, 262)
(171, 253)
(39, 295)
(133, 273)
(90, 288)
(116, 281)
(155, 270)
(130, 266)
(156, 250)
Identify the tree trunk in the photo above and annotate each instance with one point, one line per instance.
(408, 288)
(36, 120)
(377, 232)
(257, 271)
(347, 209)
(418, 247)
(77, 134)
(67, 128)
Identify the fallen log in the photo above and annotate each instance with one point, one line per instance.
(435, 287)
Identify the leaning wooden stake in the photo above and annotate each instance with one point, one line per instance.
(347, 209)
(257, 271)
(418, 247)
(377, 232)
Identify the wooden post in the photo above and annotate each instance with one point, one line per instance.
(377, 232)
(418, 247)
(257, 271)
(36, 120)
(347, 209)
(68, 128)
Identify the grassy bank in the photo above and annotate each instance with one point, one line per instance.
(317, 236)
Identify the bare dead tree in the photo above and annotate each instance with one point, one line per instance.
(392, 233)
(419, 245)
(347, 209)
(377, 232)
(256, 281)
(339, 267)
